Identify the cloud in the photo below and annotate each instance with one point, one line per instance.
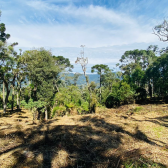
(70, 26)
(62, 26)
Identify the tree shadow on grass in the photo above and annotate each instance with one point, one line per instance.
(162, 121)
(10, 112)
(65, 146)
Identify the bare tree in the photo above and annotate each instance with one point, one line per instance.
(162, 31)
(83, 61)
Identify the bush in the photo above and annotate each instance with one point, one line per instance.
(121, 94)
(72, 100)
(112, 101)
(93, 103)
(58, 111)
(9, 104)
(141, 95)
(23, 104)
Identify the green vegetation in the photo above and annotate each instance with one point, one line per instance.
(142, 163)
(106, 127)
(37, 80)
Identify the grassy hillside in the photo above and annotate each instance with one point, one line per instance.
(130, 136)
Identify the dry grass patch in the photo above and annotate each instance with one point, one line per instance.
(130, 136)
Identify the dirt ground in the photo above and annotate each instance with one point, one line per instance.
(130, 136)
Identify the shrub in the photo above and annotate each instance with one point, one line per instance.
(58, 111)
(141, 94)
(112, 101)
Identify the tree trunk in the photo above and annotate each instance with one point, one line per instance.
(19, 96)
(46, 114)
(100, 87)
(17, 100)
(87, 80)
(4, 107)
(6, 99)
(4, 96)
(57, 87)
(13, 93)
(100, 94)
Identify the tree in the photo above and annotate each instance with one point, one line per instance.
(122, 93)
(137, 77)
(21, 77)
(108, 79)
(41, 70)
(3, 36)
(157, 73)
(162, 31)
(131, 59)
(134, 63)
(63, 64)
(7, 64)
(75, 78)
(83, 61)
(100, 69)
(7, 70)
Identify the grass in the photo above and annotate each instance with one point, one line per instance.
(142, 163)
(158, 131)
(130, 136)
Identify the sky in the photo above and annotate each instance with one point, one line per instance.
(107, 28)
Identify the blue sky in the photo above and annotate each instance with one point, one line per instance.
(107, 28)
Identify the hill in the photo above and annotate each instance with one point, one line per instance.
(92, 77)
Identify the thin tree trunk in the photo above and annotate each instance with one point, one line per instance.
(13, 93)
(4, 95)
(100, 87)
(57, 87)
(19, 95)
(4, 107)
(87, 80)
(46, 114)
(100, 94)
(17, 100)
(6, 99)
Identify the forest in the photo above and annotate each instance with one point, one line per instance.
(40, 83)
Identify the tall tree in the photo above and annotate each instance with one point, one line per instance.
(100, 69)
(7, 70)
(131, 59)
(7, 64)
(158, 74)
(108, 79)
(63, 64)
(83, 61)
(41, 69)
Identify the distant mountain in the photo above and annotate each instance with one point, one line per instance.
(81, 80)
(92, 77)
